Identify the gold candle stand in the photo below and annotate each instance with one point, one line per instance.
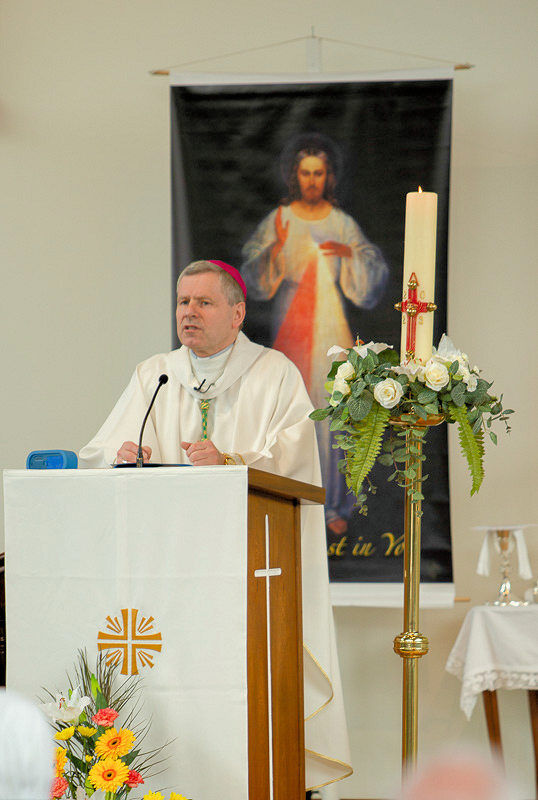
(411, 644)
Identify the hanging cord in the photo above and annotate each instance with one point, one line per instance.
(398, 52)
(166, 71)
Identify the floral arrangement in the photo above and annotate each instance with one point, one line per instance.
(94, 752)
(369, 389)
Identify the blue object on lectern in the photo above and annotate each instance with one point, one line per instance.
(52, 459)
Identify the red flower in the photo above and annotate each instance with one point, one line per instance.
(134, 779)
(59, 785)
(105, 717)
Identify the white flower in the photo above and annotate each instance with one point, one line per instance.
(377, 347)
(388, 393)
(335, 350)
(341, 385)
(447, 353)
(471, 380)
(435, 375)
(345, 371)
(65, 708)
(413, 370)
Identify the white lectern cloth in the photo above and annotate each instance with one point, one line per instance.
(261, 412)
(496, 648)
(83, 545)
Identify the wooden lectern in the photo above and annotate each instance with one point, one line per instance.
(88, 548)
(276, 736)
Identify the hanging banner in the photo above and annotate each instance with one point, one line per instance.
(300, 182)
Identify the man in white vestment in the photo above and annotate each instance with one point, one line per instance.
(308, 255)
(230, 401)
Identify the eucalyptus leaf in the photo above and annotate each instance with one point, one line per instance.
(493, 437)
(320, 413)
(386, 459)
(458, 393)
(353, 358)
(426, 396)
(336, 425)
(420, 411)
(368, 362)
(334, 369)
(388, 356)
(365, 402)
(373, 355)
(357, 387)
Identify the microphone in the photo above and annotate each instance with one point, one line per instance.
(199, 388)
(140, 456)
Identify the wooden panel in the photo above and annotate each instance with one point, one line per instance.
(285, 487)
(286, 651)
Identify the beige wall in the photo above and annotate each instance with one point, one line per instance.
(85, 261)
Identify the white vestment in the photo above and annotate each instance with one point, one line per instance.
(259, 410)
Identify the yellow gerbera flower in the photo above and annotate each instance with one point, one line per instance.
(153, 796)
(114, 743)
(176, 796)
(84, 730)
(109, 774)
(65, 733)
(60, 758)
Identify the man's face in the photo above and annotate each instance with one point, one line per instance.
(312, 176)
(206, 322)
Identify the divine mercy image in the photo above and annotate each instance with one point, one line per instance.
(308, 254)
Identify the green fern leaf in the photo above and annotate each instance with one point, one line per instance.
(368, 440)
(472, 445)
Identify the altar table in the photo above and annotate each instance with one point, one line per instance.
(497, 648)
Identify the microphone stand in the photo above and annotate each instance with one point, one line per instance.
(140, 455)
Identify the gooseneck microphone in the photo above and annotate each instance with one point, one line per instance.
(140, 456)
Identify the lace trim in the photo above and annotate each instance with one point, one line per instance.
(491, 679)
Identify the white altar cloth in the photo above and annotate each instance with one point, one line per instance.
(496, 648)
(83, 545)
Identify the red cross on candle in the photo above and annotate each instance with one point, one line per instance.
(412, 306)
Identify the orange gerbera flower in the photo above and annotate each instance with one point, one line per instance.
(113, 743)
(109, 774)
(60, 758)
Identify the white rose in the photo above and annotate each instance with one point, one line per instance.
(388, 393)
(436, 375)
(345, 371)
(340, 385)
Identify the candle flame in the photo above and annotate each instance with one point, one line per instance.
(420, 189)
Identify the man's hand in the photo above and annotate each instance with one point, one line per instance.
(202, 454)
(281, 233)
(128, 452)
(331, 248)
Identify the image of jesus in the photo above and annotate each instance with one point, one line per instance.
(308, 255)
